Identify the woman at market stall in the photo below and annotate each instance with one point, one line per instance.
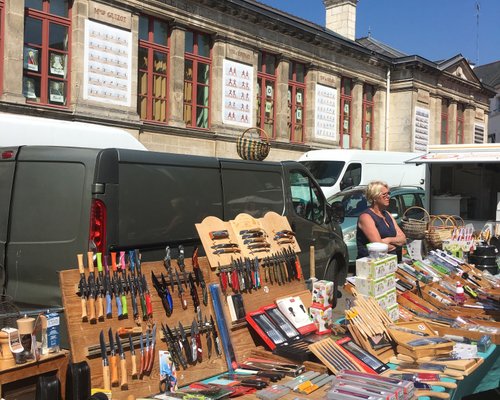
(376, 224)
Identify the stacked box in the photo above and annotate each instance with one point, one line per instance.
(376, 278)
(321, 308)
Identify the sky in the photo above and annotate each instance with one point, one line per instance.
(433, 29)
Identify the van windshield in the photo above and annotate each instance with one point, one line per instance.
(326, 173)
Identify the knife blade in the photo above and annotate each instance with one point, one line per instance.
(123, 364)
(225, 246)
(138, 285)
(215, 336)
(152, 348)
(108, 290)
(169, 295)
(200, 279)
(197, 336)
(181, 291)
(133, 294)
(113, 359)
(181, 264)
(143, 355)
(194, 346)
(147, 297)
(133, 357)
(174, 347)
(193, 292)
(227, 250)
(162, 293)
(208, 337)
(168, 267)
(82, 287)
(185, 344)
(92, 288)
(105, 362)
(123, 298)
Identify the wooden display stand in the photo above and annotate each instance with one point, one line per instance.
(83, 335)
(56, 362)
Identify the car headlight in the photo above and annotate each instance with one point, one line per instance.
(349, 235)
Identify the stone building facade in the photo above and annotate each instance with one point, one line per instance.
(191, 76)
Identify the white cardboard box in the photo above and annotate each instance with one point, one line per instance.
(376, 268)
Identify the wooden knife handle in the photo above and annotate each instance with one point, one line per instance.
(105, 377)
(81, 268)
(447, 385)
(114, 370)
(134, 365)
(90, 260)
(84, 309)
(429, 393)
(92, 318)
(100, 308)
(123, 374)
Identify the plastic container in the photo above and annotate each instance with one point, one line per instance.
(377, 249)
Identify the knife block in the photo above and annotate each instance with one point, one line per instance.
(6, 357)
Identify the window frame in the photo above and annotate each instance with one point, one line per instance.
(293, 85)
(45, 50)
(263, 78)
(343, 100)
(445, 104)
(367, 140)
(196, 59)
(459, 138)
(307, 206)
(151, 48)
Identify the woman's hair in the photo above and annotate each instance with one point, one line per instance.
(374, 189)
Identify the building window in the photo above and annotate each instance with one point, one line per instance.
(1, 41)
(197, 65)
(46, 54)
(367, 128)
(445, 104)
(296, 101)
(266, 92)
(153, 73)
(345, 112)
(460, 124)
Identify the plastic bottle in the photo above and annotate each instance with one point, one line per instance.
(459, 293)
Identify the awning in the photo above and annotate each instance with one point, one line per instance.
(461, 154)
(20, 130)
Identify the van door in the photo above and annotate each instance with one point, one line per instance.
(49, 221)
(7, 169)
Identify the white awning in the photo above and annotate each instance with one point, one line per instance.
(20, 130)
(451, 154)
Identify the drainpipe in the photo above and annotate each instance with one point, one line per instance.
(387, 107)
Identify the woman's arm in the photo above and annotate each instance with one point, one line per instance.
(400, 238)
(367, 225)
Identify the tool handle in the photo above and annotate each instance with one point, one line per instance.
(149, 306)
(135, 309)
(124, 306)
(99, 261)
(134, 365)
(108, 306)
(119, 306)
(92, 318)
(143, 308)
(143, 362)
(429, 393)
(184, 302)
(90, 260)
(123, 374)
(113, 261)
(447, 385)
(151, 360)
(100, 308)
(84, 309)
(81, 268)
(114, 370)
(170, 303)
(106, 378)
(122, 261)
(199, 350)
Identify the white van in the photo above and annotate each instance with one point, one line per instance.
(338, 169)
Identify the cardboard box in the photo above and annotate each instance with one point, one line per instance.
(322, 317)
(322, 293)
(393, 312)
(391, 298)
(371, 287)
(379, 268)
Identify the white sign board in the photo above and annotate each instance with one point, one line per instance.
(107, 64)
(421, 129)
(237, 94)
(325, 120)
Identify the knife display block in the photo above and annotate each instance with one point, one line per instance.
(84, 337)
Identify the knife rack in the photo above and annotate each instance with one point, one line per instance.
(84, 336)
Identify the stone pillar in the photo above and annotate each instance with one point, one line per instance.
(282, 133)
(310, 111)
(176, 76)
(435, 122)
(469, 119)
(13, 52)
(452, 122)
(379, 110)
(357, 114)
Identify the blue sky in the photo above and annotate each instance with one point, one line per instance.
(433, 29)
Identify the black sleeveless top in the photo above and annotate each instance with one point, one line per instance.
(385, 227)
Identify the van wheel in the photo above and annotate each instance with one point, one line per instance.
(332, 274)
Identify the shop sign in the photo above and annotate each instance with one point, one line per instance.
(110, 15)
(326, 113)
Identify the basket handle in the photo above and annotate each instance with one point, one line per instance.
(435, 218)
(426, 214)
(262, 133)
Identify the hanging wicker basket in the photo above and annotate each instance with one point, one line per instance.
(255, 148)
(415, 228)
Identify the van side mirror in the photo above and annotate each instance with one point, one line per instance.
(346, 182)
(336, 212)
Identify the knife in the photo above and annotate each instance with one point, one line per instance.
(166, 298)
(215, 336)
(182, 266)
(147, 297)
(224, 246)
(216, 235)
(227, 250)
(181, 291)
(143, 355)
(174, 347)
(100, 288)
(197, 335)
(133, 294)
(92, 288)
(82, 287)
(121, 291)
(105, 362)
(194, 343)
(108, 290)
(199, 277)
(208, 337)
(123, 364)
(164, 284)
(114, 284)
(185, 344)
(168, 267)
(152, 348)
(138, 285)
(193, 292)
(133, 357)
(113, 359)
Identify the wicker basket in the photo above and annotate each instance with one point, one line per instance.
(415, 228)
(253, 148)
(441, 228)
